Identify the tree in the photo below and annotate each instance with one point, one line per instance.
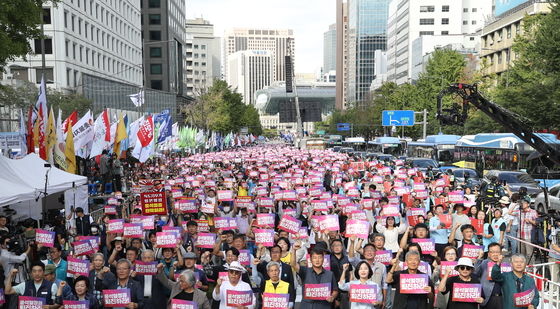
(222, 110)
(531, 87)
(19, 23)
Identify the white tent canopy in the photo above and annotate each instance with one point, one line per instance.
(24, 179)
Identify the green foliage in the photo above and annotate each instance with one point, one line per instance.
(19, 22)
(531, 87)
(25, 93)
(221, 109)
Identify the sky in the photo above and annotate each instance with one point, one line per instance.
(308, 18)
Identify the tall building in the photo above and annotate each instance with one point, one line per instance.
(498, 36)
(329, 49)
(341, 53)
(277, 42)
(202, 55)
(163, 32)
(367, 32)
(249, 71)
(94, 37)
(447, 21)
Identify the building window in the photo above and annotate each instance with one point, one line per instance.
(508, 31)
(474, 10)
(473, 22)
(73, 20)
(445, 21)
(65, 19)
(445, 8)
(427, 8)
(156, 84)
(48, 73)
(155, 35)
(155, 19)
(155, 69)
(518, 28)
(46, 16)
(465, 10)
(465, 22)
(203, 47)
(445, 33)
(426, 33)
(154, 4)
(426, 21)
(155, 52)
(499, 58)
(48, 46)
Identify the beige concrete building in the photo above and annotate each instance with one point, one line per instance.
(498, 37)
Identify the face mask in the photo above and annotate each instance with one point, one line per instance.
(226, 209)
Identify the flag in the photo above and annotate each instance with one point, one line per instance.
(133, 134)
(30, 139)
(83, 135)
(120, 136)
(22, 135)
(163, 123)
(69, 150)
(145, 137)
(73, 117)
(101, 134)
(51, 136)
(58, 153)
(137, 98)
(41, 109)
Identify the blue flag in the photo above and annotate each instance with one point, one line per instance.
(163, 122)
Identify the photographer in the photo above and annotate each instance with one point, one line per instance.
(11, 256)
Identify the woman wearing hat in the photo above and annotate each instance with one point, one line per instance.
(465, 268)
(235, 270)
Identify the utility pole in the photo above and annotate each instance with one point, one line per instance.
(43, 60)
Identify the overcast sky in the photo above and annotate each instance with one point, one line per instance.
(308, 18)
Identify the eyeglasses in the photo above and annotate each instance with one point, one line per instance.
(464, 268)
(234, 272)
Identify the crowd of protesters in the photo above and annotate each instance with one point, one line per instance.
(278, 227)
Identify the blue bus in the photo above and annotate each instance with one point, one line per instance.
(502, 151)
(438, 147)
(387, 145)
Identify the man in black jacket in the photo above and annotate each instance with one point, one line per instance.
(124, 268)
(286, 273)
(155, 294)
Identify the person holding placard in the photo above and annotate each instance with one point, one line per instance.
(467, 231)
(405, 301)
(154, 292)
(234, 284)
(37, 286)
(124, 281)
(516, 283)
(316, 276)
(275, 285)
(465, 268)
(450, 256)
(362, 276)
(492, 289)
(438, 232)
(184, 288)
(391, 230)
(56, 259)
(285, 270)
(82, 293)
(459, 218)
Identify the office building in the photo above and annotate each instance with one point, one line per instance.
(329, 49)
(97, 38)
(367, 32)
(202, 55)
(163, 32)
(249, 71)
(499, 35)
(341, 53)
(277, 42)
(410, 20)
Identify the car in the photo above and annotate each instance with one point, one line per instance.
(385, 157)
(515, 180)
(553, 200)
(358, 154)
(346, 149)
(460, 173)
(336, 148)
(423, 163)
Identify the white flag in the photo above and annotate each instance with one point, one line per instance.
(100, 141)
(137, 98)
(83, 135)
(22, 135)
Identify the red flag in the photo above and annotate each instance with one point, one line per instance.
(73, 117)
(146, 131)
(30, 143)
(105, 116)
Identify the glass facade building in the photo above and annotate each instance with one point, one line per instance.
(367, 32)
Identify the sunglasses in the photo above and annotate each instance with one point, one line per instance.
(464, 268)
(234, 272)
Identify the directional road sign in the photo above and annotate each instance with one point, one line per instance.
(397, 118)
(343, 127)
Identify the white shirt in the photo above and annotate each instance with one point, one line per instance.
(226, 285)
(8, 259)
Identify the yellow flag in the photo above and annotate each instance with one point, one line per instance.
(51, 136)
(36, 134)
(69, 150)
(119, 136)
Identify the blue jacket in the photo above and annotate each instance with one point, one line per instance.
(508, 281)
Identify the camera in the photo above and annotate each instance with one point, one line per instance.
(15, 246)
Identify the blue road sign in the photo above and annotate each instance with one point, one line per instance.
(343, 127)
(397, 118)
